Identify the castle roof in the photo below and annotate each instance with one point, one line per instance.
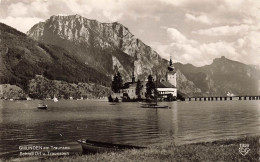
(131, 84)
(165, 84)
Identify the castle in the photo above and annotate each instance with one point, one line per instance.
(166, 87)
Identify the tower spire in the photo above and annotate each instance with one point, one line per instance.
(133, 77)
(170, 67)
(170, 60)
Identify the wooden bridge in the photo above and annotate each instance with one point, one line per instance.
(222, 98)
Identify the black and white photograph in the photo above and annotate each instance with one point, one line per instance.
(129, 80)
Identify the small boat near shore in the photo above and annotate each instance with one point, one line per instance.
(42, 106)
(89, 146)
(155, 106)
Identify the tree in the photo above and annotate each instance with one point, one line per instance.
(138, 89)
(150, 87)
(117, 83)
(114, 84)
(120, 81)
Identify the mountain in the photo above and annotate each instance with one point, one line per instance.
(62, 89)
(75, 49)
(223, 76)
(22, 58)
(187, 87)
(106, 47)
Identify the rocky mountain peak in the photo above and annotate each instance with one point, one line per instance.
(86, 37)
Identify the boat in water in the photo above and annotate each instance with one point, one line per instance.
(155, 106)
(42, 106)
(89, 146)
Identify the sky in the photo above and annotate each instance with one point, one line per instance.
(191, 31)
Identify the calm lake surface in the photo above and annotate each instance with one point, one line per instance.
(64, 122)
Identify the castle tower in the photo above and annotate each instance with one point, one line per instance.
(133, 77)
(171, 74)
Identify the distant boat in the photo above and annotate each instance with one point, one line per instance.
(89, 146)
(42, 106)
(154, 106)
(55, 99)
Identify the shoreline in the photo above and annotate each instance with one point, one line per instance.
(222, 150)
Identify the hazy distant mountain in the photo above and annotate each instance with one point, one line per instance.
(223, 76)
(21, 58)
(107, 47)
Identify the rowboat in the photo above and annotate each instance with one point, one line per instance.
(89, 146)
(42, 106)
(155, 106)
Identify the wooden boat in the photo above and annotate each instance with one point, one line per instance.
(42, 106)
(89, 146)
(155, 106)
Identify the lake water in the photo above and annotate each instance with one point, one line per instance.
(64, 122)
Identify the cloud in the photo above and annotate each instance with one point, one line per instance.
(175, 35)
(224, 30)
(17, 9)
(39, 8)
(111, 16)
(79, 7)
(198, 55)
(175, 3)
(185, 50)
(22, 24)
(35, 8)
(201, 18)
